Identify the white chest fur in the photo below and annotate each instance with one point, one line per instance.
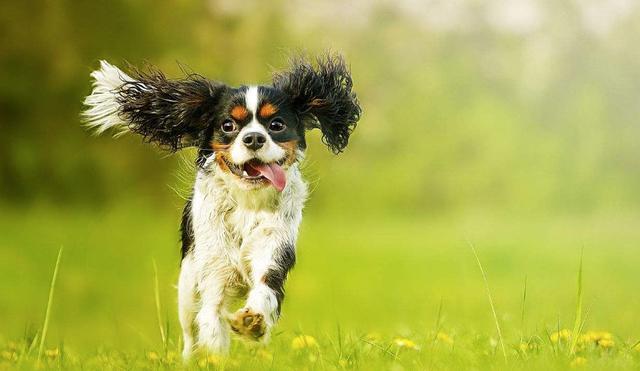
(235, 228)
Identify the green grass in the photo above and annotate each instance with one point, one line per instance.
(374, 293)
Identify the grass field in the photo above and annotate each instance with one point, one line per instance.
(367, 293)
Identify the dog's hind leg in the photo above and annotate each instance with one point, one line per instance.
(187, 304)
(213, 329)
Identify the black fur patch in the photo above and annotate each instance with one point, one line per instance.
(277, 275)
(186, 229)
(171, 113)
(323, 97)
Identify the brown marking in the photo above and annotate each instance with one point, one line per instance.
(239, 113)
(219, 147)
(290, 148)
(220, 160)
(221, 153)
(267, 110)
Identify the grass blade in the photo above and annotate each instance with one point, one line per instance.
(47, 313)
(524, 302)
(438, 319)
(163, 336)
(493, 309)
(577, 325)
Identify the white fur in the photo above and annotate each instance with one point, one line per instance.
(188, 303)
(102, 113)
(251, 99)
(237, 236)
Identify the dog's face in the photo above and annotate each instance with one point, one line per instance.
(252, 134)
(256, 137)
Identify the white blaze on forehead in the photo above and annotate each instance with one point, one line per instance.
(251, 100)
(270, 151)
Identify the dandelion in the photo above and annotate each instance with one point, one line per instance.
(52, 353)
(444, 338)
(601, 339)
(304, 342)
(405, 343)
(578, 362)
(562, 335)
(210, 360)
(606, 343)
(9, 356)
(172, 357)
(524, 347)
(153, 356)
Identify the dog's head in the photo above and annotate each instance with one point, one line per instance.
(252, 134)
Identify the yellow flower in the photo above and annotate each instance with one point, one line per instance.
(405, 343)
(9, 356)
(52, 353)
(578, 361)
(210, 360)
(304, 341)
(561, 335)
(153, 356)
(606, 343)
(602, 339)
(171, 357)
(637, 347)
(442, 337)
(525, 347)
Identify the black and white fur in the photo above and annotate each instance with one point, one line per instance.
(239, 229)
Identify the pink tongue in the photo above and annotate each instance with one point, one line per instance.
(273, 172)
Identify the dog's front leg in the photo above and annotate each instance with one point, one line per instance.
(270, 261)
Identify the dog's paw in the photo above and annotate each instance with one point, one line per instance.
(248, 323)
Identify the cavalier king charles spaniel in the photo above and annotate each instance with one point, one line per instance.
(240, 224)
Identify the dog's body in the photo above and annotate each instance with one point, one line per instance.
(240, 225)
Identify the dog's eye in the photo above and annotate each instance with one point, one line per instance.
(277, 126)
(228, 126)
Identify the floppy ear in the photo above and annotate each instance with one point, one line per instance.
(323, 97)
(170, 113)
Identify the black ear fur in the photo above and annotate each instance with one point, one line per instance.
(323, 97)
(171, 113)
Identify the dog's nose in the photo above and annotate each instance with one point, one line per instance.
(254, 140)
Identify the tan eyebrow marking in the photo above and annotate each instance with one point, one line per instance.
(267, 110)
(239, 113)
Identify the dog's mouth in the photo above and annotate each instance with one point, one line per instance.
(256, 171)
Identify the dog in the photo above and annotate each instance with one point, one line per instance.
(240, 224)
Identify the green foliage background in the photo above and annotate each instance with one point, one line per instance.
(469, 117)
